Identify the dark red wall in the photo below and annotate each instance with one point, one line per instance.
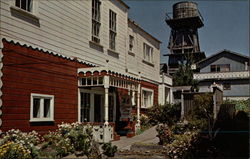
(27, 71)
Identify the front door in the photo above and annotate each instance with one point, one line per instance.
(98, 108)
(85, 107)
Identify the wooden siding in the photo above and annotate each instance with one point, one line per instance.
(27, 71)
(135, 63)
(65, 27)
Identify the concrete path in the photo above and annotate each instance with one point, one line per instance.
(148, 136)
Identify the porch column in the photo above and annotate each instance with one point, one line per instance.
(106, 100)
(106, 106)
(138, 125)
(171, 95)
(106, 130)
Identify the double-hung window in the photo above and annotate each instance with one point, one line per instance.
(42, 107)
(220, 68)
(112, 29)
(147, 53)
(131, 43)
(24, 4)
(96, 23)
(147, 98)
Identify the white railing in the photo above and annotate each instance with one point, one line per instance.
(222, 75)
(100, 135)
(166, 79)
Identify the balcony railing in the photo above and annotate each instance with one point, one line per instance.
(221, 75)
(166, 79)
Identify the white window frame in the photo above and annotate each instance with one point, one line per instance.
(112, 29)
(151, 100)
(33, 14)
(96, 21)
(148, 55)
(42, 97)
(28, 8)
(131, 43)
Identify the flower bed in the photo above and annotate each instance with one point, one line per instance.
(74, 138)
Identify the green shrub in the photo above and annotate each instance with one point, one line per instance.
(181, 144)
(164, 134)
(109, 150)
(167, 114)
(27, 141)
(240, 105)
(11, 150)
(70, 138)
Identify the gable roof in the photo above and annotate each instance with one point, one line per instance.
(244, 57)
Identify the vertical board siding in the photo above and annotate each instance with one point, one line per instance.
(29, 71)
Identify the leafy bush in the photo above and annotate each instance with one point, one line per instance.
(109, 150)
(164, 134)
(11, 150)
(243, 105)
(69, 138)
(17, 139)
(181, 144)
(167, 114)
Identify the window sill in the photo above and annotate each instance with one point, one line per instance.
(96, 46)
(113, 53)
(131, 53)
(41, 120)
(148, 63)
(24, 13)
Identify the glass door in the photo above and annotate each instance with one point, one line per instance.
(85, 107)
(98, 108)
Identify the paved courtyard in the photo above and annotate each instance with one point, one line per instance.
(148, 136)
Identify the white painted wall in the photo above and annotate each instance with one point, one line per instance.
(64, 27)
(135, 63)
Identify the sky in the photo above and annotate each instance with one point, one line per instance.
(226, 23)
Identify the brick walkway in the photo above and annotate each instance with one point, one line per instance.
(148, 136)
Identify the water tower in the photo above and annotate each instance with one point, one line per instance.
(184, 41)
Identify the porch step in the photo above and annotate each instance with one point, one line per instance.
(142, 151)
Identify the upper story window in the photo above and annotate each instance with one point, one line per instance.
(131, 43)
(96, 24)
(226, 86)
(112, 29)
(220, 68)
(24, 4)
(147, 53)
(41, 107)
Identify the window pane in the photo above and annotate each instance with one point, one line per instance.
(213, 68)
(94, 80)
(18, 3)
(100, 80)
(23, 4)
(85, 107)
(36, 108)
(89, 81)
(29, 5)
(47, 108)
(84, 81)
